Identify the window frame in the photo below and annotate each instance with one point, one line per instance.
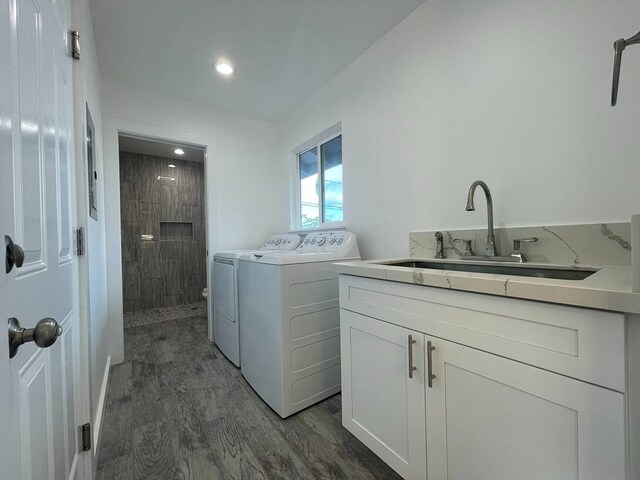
(316, 143)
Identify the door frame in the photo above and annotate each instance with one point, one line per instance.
(112, 129)
(80, 107)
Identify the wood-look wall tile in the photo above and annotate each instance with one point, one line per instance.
(150, 188)
(151, 211)
(150, 214)
(130, 241)
(128, 192)
(199, 231)
(192, 297)
(173, 286)
(131, 280)
(190, 196)
(170, 198)
(171, 300)
(173, 267)
(191, 213)
(131, 305)
(130, 164)
(150, 201)
(174, 249)
(150, 262)
(190, 256)
(201, 269)
(151, 292)
(191, 179)
(129, 211)
(193, 285)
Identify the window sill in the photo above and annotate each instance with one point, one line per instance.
(326, 226)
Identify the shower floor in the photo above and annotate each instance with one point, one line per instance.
(161, 314)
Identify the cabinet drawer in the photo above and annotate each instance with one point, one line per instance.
(581, 343)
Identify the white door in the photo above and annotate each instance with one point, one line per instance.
(40, 386)
(490, 418)
(382, 404)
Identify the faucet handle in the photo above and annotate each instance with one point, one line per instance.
(516, 247)
(516, 241)
(468, 251)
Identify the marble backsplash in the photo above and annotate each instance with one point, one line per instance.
(594, 244)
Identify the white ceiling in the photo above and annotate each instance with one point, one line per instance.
(159, 148)
(283, 50)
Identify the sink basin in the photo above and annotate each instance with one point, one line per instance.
(519, 270)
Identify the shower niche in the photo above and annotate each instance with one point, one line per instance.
(173, 231)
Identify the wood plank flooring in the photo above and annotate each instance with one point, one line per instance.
(178, 409)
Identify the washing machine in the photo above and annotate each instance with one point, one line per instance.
(290, 328)
(225, 292)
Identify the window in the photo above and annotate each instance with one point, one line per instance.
(320, 183)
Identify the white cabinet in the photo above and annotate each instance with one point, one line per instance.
(522, 390)
(381, 405)
(491, 418)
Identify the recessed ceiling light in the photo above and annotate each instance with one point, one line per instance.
(171, 165)
(178, 151)
(223, 67)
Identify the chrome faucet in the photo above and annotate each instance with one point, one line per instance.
(491, 236)
(491, 252)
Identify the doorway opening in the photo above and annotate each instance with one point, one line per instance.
(163, 230)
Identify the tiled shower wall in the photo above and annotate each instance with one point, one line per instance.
(157, 271)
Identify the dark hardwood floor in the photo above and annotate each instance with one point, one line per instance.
(178, 409)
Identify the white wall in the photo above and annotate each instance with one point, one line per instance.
(512, 92)
(246, 183)
(92, 266)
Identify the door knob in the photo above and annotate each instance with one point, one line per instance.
(14, 254)
(44, 334)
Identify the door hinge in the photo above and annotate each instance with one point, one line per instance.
(80, 241)
(86, 437)
(75, 44)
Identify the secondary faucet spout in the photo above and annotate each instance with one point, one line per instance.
(491, 237)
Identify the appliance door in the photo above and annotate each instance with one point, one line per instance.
(224, 288)
(225, 306)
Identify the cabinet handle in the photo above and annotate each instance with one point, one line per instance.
(430, 375)
(410, 348)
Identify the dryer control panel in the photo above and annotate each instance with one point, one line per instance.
(282, 243)
(338, 242)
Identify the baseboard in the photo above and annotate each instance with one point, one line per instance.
(97, 426)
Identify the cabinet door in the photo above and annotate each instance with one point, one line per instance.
(381, 405)
(490, 418)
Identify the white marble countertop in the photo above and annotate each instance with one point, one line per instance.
(607, 289)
